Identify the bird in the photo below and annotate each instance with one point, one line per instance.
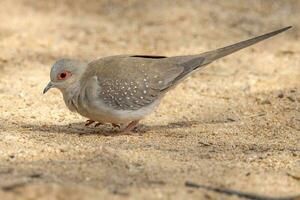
(123, 89)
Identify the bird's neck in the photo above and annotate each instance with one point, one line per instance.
(71, 95)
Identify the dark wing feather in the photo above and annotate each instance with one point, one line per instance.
(148, 56)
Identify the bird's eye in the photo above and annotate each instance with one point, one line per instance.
(63, 75)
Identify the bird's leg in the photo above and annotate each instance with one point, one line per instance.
(98, 124)
(89, 122)
(130, 126)
(116, 125)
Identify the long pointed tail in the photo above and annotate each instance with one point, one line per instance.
(192, 62)
(219, 53)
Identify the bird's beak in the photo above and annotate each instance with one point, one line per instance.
(48, 87)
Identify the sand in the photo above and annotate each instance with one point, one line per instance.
(235, 124)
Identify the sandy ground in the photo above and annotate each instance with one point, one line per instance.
(235, 124)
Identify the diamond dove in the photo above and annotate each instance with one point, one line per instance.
(124, 89)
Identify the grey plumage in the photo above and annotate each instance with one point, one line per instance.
(124, 88)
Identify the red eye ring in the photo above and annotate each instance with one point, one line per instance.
(63, 75)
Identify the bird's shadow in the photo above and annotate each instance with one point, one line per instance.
(108, 130)
(105, 130)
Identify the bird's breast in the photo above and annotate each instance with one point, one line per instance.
(88, 102)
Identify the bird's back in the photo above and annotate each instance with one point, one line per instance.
(129, 82)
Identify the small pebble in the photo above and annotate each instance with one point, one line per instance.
(291, 99)
(280, 95)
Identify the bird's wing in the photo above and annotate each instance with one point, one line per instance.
(131, 82)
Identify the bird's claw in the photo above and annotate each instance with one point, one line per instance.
(98, 124)
(89, 122)
(116, 125)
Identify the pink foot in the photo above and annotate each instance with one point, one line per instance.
(130, 126)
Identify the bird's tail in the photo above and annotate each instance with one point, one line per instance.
(219, 53)
(192, 62)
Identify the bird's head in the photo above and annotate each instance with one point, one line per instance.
(64, 74)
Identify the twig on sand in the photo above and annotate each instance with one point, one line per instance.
(246, 195)
(14, 186)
